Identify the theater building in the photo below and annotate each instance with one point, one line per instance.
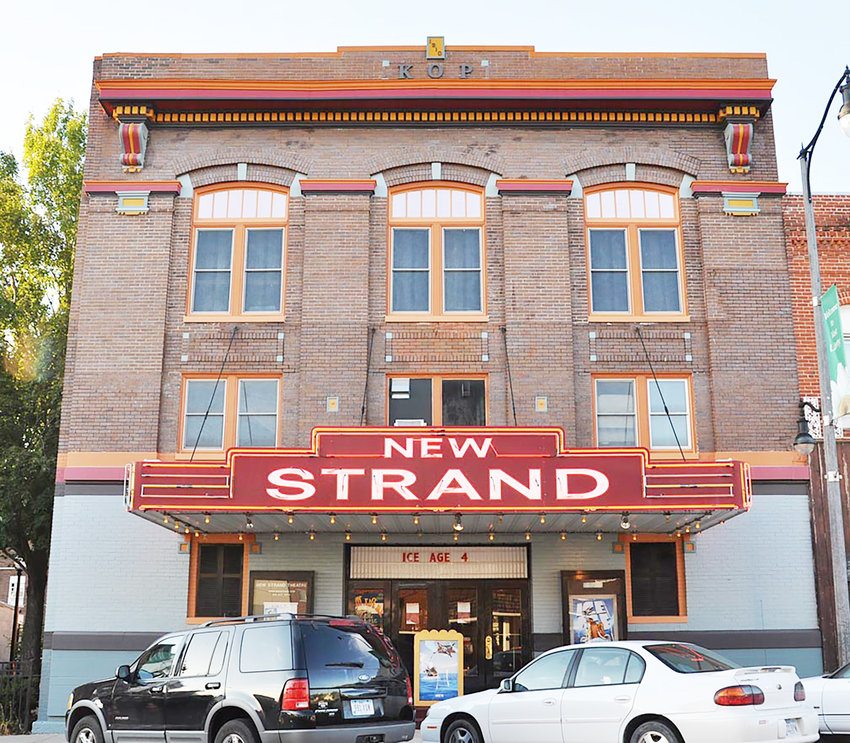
(469, 338)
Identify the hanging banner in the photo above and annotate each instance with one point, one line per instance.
(839, 378)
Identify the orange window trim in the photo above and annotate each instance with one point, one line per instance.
(194, 557)
(231, 403)
(633, 262)
(238, 254)
(682, 616)
(642, 416)
(436, 225)
(437, 393)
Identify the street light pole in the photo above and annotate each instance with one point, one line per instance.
(832, 475)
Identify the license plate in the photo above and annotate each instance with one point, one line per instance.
(791, 728)
(363, 707)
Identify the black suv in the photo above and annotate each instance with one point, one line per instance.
(281, 679)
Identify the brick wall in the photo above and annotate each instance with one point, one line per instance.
(832, 218)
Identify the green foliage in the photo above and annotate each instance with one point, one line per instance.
(38, 226)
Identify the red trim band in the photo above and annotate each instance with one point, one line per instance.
(343, 185)
(759, 187)
(141, 186)
(525, 185)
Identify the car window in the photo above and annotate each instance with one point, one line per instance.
(217, 662)
(547, 672)
(602, 667)
(635, 669)
(690, 658)
(342, 652)
(266, 649)
(157, 662)
(196, 659)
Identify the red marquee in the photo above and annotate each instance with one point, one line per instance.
(437, 469)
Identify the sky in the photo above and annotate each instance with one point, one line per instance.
(48, 46)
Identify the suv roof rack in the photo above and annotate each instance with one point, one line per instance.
(278, 617)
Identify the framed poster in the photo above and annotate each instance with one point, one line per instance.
(280, 591)
(593, 617)
(594, 605)
(438, 666)
(368, 604)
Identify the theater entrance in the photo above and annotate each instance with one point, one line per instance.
(492, 616)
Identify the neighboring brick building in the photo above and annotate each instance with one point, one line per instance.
(510, 241)
(832, 220)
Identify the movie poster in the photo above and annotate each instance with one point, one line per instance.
(593, 617)
(438, 660)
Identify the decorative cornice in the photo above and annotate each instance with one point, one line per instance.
(202, 101)
(112, 187)
(527, 186)
(744, 187)
(338, 185)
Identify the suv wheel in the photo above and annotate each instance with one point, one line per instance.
(87, 730)
(462, 731)
(235, 731)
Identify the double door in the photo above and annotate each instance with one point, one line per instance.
(492, 616)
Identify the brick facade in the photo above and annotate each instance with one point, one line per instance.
(131, 341)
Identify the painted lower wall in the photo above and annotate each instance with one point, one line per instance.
(750, 587)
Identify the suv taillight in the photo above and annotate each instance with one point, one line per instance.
(739, 696)
(296, 695)
(409, 691)
(799, 692)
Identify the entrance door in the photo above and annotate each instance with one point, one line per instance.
(492, 616)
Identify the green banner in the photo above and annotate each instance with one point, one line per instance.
(839, 379)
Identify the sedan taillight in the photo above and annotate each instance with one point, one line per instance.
(799, 692)
(739, 696)
(296, 695)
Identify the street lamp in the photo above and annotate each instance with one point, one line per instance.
(833, 478)
(804, 443)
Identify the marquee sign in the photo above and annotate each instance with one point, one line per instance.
(436, 469)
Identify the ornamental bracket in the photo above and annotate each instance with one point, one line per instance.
(133, 135)
(738, 134)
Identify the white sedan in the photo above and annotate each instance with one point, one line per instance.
(630, 692)
(830, 696)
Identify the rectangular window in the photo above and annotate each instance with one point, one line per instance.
(219, 580)
(634, 255)
(654, 579)
(609, 271)
(213, 257)
(411, 279)
(263, 271)
(258, 403)
(616, 421)
(630, 411)
(659, 263)
(462, 270)
(203, 426)
(232, 411)
(437, 401)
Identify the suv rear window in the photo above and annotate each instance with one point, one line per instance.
(690, 658)
(266, 649)
(340, 653)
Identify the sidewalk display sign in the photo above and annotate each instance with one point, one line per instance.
(593, 617)
(438, 666)
(839, 378)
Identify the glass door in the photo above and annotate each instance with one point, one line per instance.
(508, 640)
(462, 612)
(413, 607)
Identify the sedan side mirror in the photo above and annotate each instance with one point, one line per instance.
(123, 673)
(507, 685)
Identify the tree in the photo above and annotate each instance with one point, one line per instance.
(38, 225)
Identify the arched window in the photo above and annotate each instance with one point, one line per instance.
(634, 254)
(436, 255)
(238, 253)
